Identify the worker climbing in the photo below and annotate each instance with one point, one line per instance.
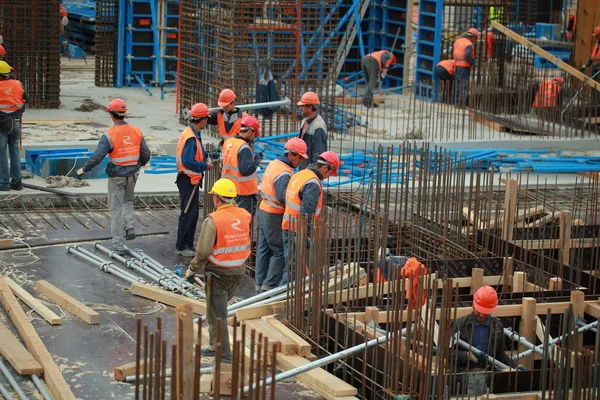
(464, 56)
(240, 163)
(192, 162)
(222, 250)
(229, 118)
(128, 151)
(375, 67)
(313, 129)
(270, 260)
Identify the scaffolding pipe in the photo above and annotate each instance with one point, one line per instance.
(522, 341)
(148, 272)
(582, 323)
(476, 351)
(41, 387)
(5, 393)
(558, 339)
(108, 266)
(12, 381)
(285, 102)
(104, 266)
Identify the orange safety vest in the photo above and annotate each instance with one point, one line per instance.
(245, 185)
(572, 32)
(235, 129)
(459, 52)
(489, 45)
(448, 65)
(11, 96)
(377, 56)
(547, 94)
(61, 10)
(292, 197)
(188, 133)
(269, 201)
(125, 140)
(596, 54)
(232, 247)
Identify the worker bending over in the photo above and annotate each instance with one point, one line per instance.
(374, 68)
(240, 163)
(304, 196)
(222, 250)
(270, 260)
(594, 60)
(229, 118)
(313, 129)
(12, 106)
(444, 72)
(192, 162)
(547, 97)
(128, 151)
(464, 56)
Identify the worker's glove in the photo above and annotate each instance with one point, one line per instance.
(582, 68)
(258, 158)
(80, 172)
(189, 275)
(65, 21)
(215, 154)
(521, 368)
(481, 357)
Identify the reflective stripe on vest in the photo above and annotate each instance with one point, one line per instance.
(448, 65)
(11, 96)
(245, 185)
(293, 204)
(459, 52)
(377, 56)
(188, 133)
(547, 95)
(596, 54)
(235, 129)
(233, 243)
(125, 141)
(269, 202)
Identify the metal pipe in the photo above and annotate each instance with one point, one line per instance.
(558, 339)
(5, 393)
(521, 340)
(269, 104)
(131, 378)
(582, 323)
(41, 387)
(106, 266)
(12, 381)
(476, 351)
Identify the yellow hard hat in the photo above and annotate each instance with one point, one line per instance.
(4, 68)
(224, 188)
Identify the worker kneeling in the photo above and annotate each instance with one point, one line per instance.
(485, 335)
(222, 250)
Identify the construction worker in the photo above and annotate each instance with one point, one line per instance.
(313, 129)
(229, 118)
(547, 97)
(484, 333)
(444, 72)
(222, 250)
(240, 163)
(13, 73)
(464, 55)
(375, 67)
(270, 260)
(12, 106)
(594, 60)
(128, 151)
(304, 196)
(571, 24)
(64, 19)
(192, 162)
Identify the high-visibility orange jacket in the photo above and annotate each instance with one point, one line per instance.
(245, 185)
(232, 245)
(233, 130)
(269, 202)
(596, 55)
(547, 94)
(187, 134)
(293, 203)
(11, 97)
(416, 270)
(448, 65)
(377, 56)
(571, 27)
(125, 141)
(61, 10)
(459, 52)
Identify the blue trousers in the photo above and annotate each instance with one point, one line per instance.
(10, 132)
(462, 76)
(285, 236)
(270, 258)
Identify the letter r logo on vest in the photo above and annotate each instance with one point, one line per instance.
(236, 224)
(229, 145)
(294, 183)
(8, 91)
(127, 140)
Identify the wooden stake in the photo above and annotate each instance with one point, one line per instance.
(185, 338)
(507, 273)
(510, 206)
(476, 279)
(578, 301)
(527, 329)
(518, 283)
(564, 250)
(555, 284)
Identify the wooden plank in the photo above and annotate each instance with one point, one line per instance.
(33, 303)
(593, 309)
(16, 354)
(288, 346)
(476, 279)
(121, 372)
(262, 310)
(184, 334)
(541, 52)
(302, 346)
(556, 243)
(483, 120)
(67, 302)
(57, 385)
(527, 328)
(518, 282)
(510, 208)
(6, 243)
(564, 249)
(267, 331)
(168, 298)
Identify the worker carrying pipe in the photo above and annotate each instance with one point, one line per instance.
(486, 334)
(313, 129)
(229, 118)
(127, 149)
(240, 163)
(374, 68)
(222, 250)
(304, 196)
(464, 56)
(270, 260)
(594, 60)
(192, 161)
(12, 105)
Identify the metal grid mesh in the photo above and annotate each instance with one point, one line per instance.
(230, 44)
(30, 29)
(106, 42)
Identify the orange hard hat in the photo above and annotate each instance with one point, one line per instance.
(298, 146)
(393, 61)
(309, 98)
(597, 31)
(331, 158)
(559, 80)
(199, 110)
(226, 97)
(117, 106)
(473, 32)
(2, 50)
(485, 300)
(251, 122)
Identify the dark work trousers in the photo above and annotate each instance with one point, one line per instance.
(446, 83)
(462, 76)
(270, 259)
(222, 290)
(370, 69)
(248, 203)
(186, 230)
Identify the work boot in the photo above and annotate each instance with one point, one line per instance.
(185, 253)
(208, 353)
(129, 234)
(17, 186)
